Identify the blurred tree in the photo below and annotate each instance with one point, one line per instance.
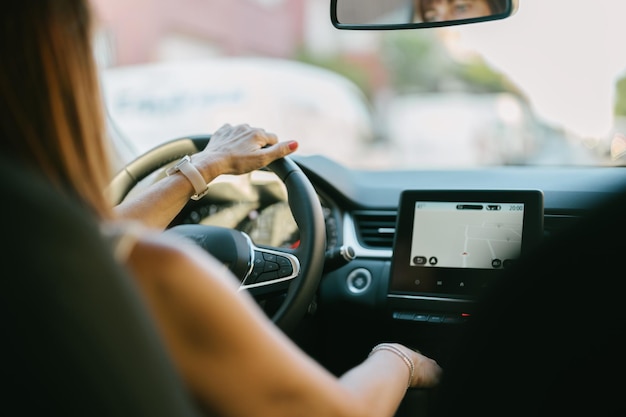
(416, 61)
(480, 77)
(352, 70)
(421, 62)
(620, 97)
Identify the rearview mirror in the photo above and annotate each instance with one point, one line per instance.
(411, 14)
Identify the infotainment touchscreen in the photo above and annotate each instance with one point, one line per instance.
(456, 242)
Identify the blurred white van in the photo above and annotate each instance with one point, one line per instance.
(152, 103)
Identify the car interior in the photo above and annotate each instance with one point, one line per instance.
(509, 276)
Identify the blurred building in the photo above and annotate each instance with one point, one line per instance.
(152, 30)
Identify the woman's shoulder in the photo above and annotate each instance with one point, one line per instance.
(168, 261)
(133, 242)
(123, 236)
(127, 235)
(152, 253)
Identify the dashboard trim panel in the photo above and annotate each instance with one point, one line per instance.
(350, 239)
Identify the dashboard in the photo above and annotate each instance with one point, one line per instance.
(360, 303)
(256, 204)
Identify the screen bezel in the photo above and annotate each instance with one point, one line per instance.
(455, 282)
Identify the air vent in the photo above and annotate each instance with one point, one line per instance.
(553, 224)
(375, 229)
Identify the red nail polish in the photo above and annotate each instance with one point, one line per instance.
(293, 145)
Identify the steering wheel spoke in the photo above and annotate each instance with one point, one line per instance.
(271, 270)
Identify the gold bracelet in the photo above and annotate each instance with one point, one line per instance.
(391, 348)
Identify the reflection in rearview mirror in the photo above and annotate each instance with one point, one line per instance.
(408, 14)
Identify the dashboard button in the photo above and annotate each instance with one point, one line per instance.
(359, 280)
(403, 315)
(435, 318)
(420, 317)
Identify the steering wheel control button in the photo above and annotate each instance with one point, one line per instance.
(284, 266)
(270, 266)
(359, 280)
(267, 276)
(252, 278)
(269, 257)
(258, 259)
(285, 271)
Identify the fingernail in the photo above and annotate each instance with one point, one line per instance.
(293, 145)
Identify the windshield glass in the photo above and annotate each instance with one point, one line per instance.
(545, 86)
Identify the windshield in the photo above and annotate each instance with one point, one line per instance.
(545, 86)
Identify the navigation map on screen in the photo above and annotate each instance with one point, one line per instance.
(466, 234)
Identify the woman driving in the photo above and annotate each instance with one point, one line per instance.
(220, 340)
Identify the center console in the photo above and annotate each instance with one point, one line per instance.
(451, 245)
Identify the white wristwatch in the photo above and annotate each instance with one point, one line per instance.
(185, 167)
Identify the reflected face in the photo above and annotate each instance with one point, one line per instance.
(441, 10)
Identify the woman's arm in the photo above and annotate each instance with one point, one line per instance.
(238, 363)
(231, 150)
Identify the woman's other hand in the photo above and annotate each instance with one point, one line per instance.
(241, 148)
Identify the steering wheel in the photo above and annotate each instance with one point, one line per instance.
(263, 271)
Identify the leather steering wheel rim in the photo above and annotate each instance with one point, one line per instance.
(302, 200)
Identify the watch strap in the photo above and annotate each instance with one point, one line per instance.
(185, 167)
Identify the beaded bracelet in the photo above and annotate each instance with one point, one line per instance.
(398, 352)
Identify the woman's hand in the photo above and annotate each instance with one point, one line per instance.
(232, 150)
(424, 372)
(427, 371)
(241, 148)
